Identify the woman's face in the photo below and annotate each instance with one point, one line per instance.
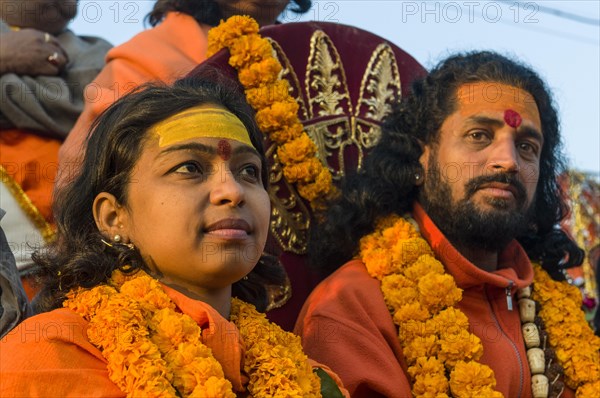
(197, 209)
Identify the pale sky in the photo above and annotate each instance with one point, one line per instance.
(559, 39)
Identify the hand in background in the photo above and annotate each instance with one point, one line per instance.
(31, 52)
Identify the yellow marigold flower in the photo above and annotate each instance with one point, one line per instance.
(304, 171)
(377, 263)
(426, 365)
(267, 94)
(400, 230)
(469, 379)
(296, 150)
(430, 385)
(214, 387)
(407, 251)
(458, 347)
(425, 264)
(277, 116)
(260, 73)
(438, 291)
(398, 290)
(227, 32)
(420, 347)
(449, 321)
(411, 312)
(410, 329)
(249, 49)
(86, 302)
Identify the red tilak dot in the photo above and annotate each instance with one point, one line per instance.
(224, 149)
(512, 118)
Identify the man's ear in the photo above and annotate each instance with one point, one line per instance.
(110, 216)
(424, 158)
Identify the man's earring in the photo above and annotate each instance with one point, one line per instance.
(117, 238)
(418, 178)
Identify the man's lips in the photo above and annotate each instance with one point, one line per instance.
(229, 227)
(500, 189)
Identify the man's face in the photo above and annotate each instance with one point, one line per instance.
(482, 174)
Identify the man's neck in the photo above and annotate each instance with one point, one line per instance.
(483, 259)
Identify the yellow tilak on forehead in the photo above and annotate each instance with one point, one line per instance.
(201, 122)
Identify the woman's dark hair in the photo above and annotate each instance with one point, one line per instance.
(386, 183)
(78, 257)
(204, 11)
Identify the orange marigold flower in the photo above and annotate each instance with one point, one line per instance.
(407, 251)
(460, 346)
(320, 187)
(296, 150)
(249, 49)
(438, 291)
(286, 133)
(425, 264)
(304, 171)
(277, 116)
(223, 35)
(426, 346)
(411, 312)
(398, 290)
(471, 379)
(256, 74)
(267, 94)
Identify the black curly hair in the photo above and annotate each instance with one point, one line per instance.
(78, 257)
(386, 185)
(204, 11)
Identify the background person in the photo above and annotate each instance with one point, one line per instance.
(170, 50)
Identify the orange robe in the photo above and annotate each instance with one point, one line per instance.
(165, 53)
(346, 325)
(50, 355)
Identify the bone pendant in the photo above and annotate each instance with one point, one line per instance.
(535, 357)
(539, 386)
(524, 293)
(527, 310)
(531, 335)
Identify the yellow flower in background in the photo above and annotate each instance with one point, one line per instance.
(227, 33)
(266, 95)
(296, 150)
(259, 74)
(302, 172)
(279, 115)
(249, 49)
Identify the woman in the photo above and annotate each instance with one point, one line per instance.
(165, 223)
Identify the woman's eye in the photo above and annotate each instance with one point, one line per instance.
(250, 172)
(188, 168)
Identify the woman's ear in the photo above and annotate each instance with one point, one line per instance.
(110, 217)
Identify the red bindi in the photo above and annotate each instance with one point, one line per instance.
(224, 149)
(512, 118)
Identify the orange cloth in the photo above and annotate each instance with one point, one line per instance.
(165, 53)
(32, 161)
(50, 352)
(346, 325)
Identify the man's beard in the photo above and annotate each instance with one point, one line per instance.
(464, 223)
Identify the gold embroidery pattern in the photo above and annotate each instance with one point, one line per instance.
(341, 130)
(46, 230)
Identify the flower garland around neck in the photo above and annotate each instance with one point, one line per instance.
(576, 346)
(440, 351)
(154, 350)
(276, 111)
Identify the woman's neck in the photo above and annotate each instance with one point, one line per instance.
(219, 299)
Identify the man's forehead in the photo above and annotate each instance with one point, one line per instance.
(491, 93)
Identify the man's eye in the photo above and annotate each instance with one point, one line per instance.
(528, 148)
(188, 168)
(477, 136)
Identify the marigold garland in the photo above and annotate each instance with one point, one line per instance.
(440, 351)
(153, 350)
(276, 111)
(570, 335)
(434, 334)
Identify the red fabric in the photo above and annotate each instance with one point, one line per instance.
(165, 53)
(345, 323)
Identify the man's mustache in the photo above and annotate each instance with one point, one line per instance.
(505, 178)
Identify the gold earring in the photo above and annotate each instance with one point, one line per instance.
(117, 238)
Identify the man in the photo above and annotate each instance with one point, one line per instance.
(470, 159)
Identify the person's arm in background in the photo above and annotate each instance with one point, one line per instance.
(42, 88)
(14, 306)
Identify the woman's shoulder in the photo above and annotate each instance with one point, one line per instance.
(54, 338)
